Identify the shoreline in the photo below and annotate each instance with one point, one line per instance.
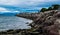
(46, 23)
(30, 16)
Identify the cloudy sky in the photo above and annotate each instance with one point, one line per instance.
(25, 5)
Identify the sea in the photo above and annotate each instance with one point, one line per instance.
(13, 22)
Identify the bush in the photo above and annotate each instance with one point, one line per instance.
(55, 7)
(50, 8)
(43, 9)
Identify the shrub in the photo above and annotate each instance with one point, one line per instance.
(50, 8)
(43, 9)
(55, 7)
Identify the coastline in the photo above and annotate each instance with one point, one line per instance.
(30, 16)
(42, 25)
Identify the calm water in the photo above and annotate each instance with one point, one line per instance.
(13, 22)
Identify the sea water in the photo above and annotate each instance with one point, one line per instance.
(13, 22)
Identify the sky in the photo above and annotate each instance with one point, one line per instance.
(25, 5)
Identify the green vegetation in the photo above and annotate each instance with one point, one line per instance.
(50, 8)
(53, 7)
(43, 9)
(56, 6)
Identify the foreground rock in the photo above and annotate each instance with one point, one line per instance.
(47, 23)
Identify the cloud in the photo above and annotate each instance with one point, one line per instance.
(36, 2)
(25, 2)
(29, 4)
(9, 2)
(4, 10)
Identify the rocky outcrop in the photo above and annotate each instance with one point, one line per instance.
(46, 23)
(31, 16)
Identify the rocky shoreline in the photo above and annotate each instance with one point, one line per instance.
(44, 23)
(30, 16)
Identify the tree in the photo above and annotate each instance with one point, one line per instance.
(50, 8)
(55, 7)
(43, 9)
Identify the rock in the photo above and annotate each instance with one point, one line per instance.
(44, 23)
(47, 23)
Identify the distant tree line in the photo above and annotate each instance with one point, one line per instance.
(53, 7)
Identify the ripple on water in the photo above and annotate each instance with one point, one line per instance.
(13, 22)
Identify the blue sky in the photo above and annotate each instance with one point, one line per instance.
(25, 5)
